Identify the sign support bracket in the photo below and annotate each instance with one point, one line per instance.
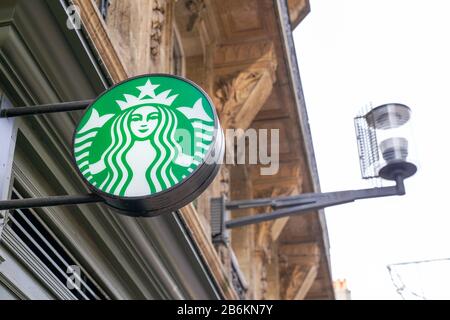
(45, 108)
(288, 206)
(49, 201)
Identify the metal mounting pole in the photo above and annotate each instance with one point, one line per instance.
(53, 200)
(293, 205)
(49, 201)
(45, 108)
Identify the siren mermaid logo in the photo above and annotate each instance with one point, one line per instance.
(144, 135)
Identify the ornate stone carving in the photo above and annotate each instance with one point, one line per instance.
(236, 87)
(245, 73)
(231, 91)
(158, 17)
(196, 8)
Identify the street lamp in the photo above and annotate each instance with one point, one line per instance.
(383, 136)
(390, 125)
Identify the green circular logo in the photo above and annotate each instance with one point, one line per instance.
(144, 136)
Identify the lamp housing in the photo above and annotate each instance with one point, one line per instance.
(385, 142)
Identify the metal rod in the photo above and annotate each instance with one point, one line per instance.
(274, 203)
(296, 210)
(308, 198)
(49, 201)
(400, 185)
(298, 205)
(45, 108)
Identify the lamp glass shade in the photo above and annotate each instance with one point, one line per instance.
(391, 124)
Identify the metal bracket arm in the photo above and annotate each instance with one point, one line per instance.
(49, 201)
(303, 203)
(45, 108)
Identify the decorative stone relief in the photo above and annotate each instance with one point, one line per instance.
(231, 91)
(158, 18)
(236, 87)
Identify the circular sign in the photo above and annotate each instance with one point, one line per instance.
(149, 145)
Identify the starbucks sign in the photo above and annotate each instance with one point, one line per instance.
(149, 145)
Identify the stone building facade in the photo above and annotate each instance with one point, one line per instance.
(241, 53)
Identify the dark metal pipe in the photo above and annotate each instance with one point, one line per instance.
(308, 198)
(301, 204)
(49, 201)
(400, 185)
(272, 202)
(45, 108)
(297, 210)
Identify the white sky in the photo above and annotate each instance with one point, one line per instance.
(351, 53)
